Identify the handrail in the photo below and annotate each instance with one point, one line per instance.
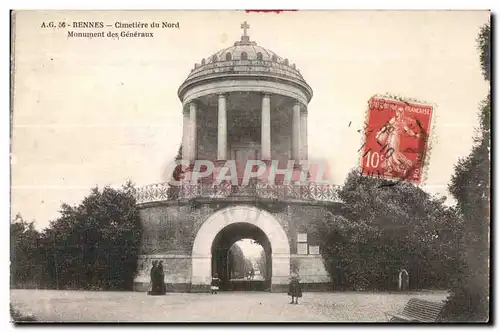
(306, 192)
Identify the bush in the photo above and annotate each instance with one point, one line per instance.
(385, 229)
(94, 245)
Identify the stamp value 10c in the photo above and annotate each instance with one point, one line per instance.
(396, 139)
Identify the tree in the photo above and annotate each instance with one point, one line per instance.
(177, 174)
(386, 228)
(95, 244)
(239, 264)
(24, 255)
(261, 263)
(470, 185)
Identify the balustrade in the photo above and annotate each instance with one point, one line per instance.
(307, 192)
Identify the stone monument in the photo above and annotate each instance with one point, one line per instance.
(242, 103)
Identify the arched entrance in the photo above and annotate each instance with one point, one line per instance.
(221, 264)
(219, 232)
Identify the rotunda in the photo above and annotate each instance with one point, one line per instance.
(245, 175)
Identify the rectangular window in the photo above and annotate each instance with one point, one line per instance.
(313, 250)
(302, 244)
(302, 249)
(302, 237)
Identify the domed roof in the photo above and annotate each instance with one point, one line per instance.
(244, 58)
(252, 50)
(244, 49)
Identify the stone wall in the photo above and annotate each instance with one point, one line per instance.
(167, 229)
(170, 230)
(311, 269)
(177, 272)
(302, 220)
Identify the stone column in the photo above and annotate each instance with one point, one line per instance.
(192, 131)
(303, 134)
(296, 132)
(185, 135)
(265, 139)
(222, 129)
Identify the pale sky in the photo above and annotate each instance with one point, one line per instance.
(101, 111)
(250, 249)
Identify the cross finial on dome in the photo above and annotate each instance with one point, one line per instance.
(245, 26)
(245, 38)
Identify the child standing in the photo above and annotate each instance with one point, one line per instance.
(214, 285)
(294, 289)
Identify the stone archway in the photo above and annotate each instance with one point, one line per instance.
(201, 269)
(222, 264)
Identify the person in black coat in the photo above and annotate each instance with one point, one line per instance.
(161, 279)
(152, 276)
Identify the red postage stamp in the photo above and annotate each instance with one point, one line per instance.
(396, 139)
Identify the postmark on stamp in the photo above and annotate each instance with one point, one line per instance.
(396, 139)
